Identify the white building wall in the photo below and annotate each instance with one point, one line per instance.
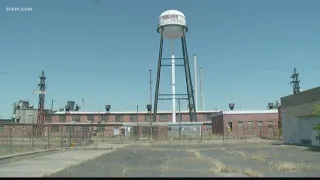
(315, 141)
(298, 122)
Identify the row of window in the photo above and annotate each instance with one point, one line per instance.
(250, 125)
(118, 118)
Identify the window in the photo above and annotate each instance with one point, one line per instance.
(70, 128)
(169, 128)
(240, 125)
(76, 118)
(229, 126)
(163, 117)
(270, 123)
(133, 118)
(119, 118)
(55, 128)
(148, 117)
(90, 118)
(250, 126)
(104, 118)
(48, 118)
(260, 124)
(62, 118)
(208, 117)
(1, 128)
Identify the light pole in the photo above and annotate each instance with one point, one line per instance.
(138, 132)
(179, 119)
(149, 107)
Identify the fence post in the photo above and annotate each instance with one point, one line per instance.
(260, 131)
(200, 133)
(10, 138)
(49, 136)
(32, 136)
(227, 132)
(61, 134)
(223, 134)
(104, 128)
(245, 135)
(274, 136)
(113, 136)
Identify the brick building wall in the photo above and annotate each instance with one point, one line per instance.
(143, 117)
(258, 124)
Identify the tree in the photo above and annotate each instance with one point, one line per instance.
(316, 112)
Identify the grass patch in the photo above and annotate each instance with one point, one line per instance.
(289, 166)
(255, 156)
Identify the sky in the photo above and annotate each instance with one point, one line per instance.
(101, 51)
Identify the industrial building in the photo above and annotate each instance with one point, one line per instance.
(298, 117)
(125, 117)
(25, 113)
(244, 123)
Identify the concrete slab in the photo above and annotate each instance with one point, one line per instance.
(48, 164)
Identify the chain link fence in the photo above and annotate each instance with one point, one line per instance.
(19, 138)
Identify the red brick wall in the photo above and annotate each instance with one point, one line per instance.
(255, 118)
(142, 117)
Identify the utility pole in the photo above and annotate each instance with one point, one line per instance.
(150, 83)
(150, 89)
(295, 81)
(179, 119)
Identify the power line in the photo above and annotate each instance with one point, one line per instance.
(79, 71)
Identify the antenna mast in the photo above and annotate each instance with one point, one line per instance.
(295, 81)
(42, 94)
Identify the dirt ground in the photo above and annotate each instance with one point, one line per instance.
(201, 160)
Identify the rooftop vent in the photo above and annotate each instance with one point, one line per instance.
(149, 107)
(67, 108)
(270, 105)
(77, 108)
(107, 107)
(231, 106)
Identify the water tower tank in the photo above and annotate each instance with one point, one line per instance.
(173, 23)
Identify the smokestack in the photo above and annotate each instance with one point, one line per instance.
(195, 81)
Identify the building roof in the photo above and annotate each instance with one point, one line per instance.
(229, 112)
(304, 97)
(127, 112)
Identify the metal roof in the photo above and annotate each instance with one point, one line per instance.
(229, 112)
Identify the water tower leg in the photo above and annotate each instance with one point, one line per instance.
(156, 96)
(192, 108)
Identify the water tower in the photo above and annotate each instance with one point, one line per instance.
(172, 26)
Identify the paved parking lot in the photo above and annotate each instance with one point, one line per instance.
(201, 160)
